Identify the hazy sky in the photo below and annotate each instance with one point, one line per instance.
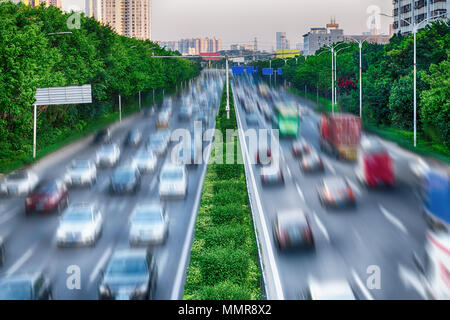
(239, 21)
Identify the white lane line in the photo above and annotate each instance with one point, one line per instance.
(361, 285)
(267, 238)
(411, 280)
(27, 255)
(189, 234)
(300, 192)
(329, 166)
(8, 216)
(321, 226)
(396, 222)
(289, 172)
(153, 184)
(354, 187)
(100, 265)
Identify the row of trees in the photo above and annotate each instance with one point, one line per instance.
(387, 80)
(33, 56)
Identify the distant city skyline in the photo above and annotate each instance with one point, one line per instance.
(239, 22)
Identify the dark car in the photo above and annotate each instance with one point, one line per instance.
(185, 113)
(133, 138)
(130, 275)
(311, 162)
(125, 179)
(335, 192)
(48, 196)
(291, 229)
(25, 287)
(102, 136)
(300, 148)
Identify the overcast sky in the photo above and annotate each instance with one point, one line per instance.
(239, 21)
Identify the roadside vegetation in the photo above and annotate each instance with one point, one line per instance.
(33, 54)
(224, 255)
(387, 86)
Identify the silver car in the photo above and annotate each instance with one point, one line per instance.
(19, 183)
(81, 172)
(80, 224)
(108, 155)
(173, 181)
(145, 160)
(149, 224)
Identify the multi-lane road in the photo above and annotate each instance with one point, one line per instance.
(380, 234)
(31, 241)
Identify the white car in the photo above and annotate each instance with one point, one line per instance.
(145, 160)
(108, 155)
(80, 224)
(19, 183)
(173, 181)
(149, 224)
(81, 172)
(335, 289)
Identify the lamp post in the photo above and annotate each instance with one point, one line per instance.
(415, 27)
(335, 71)
(360, 43)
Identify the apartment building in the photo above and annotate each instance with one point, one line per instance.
(316, 38)
(408, 12)
(282, 41)
(196, 46)
(36, 3)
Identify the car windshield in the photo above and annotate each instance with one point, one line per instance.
(17, 176)
(123, 175)
(80, 165)
(77, 215)
(107, 149)
(15, 290)
(46, 188)
(128, 266)
(148, 216)
(335, 185)
(172, 174)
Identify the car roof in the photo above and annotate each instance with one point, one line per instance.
(129, 253)
(334, 181)
(291, 216)
(338, 289)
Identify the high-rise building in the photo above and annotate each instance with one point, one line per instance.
(282, 41)
(131, 18)
(196, 46)
(414, 11)
(316, 38)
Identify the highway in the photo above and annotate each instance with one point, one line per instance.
(384, 230)
(31, 241)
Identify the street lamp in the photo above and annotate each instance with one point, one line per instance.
(335, 71)
(415, 27)
(332, 49)
(360, 43)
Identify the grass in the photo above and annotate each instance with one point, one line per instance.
(129, 107)
(224, 254)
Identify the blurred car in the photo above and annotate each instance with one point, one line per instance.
(185, 113)
(291, 229)
(434, 271)
(145, 160)
(108, 155)
(133, 138)
(338, 289)
(149, 224)
(263, 154)
(48, 196)
(130, 275)
(19, 182)
(103, 136)
(189, 155)
(203, 118)
(252, 119)
(311, 162)
(336, 191)
(163, 120)
(125, 179)
(33, 286)
(81, 172)
(300, 147)
(173, 181)
(157, 144)
(80, 224)
(148, 111)
(272, 174)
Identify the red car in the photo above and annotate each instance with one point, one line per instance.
(375, 165)
(48, 196)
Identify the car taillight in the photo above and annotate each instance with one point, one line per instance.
(350, 193)
(307, 149)
(269, 153)
(53, 198)
(307, 234)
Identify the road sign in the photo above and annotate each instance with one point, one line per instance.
(210, 56)
(267, 71)
(249, 70)
(280, 71)
(238, 60)
(237, 70)
(63, 95)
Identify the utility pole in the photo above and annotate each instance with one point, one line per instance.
(139, 100)
(34, 130)
(120, 108)
(228, 92)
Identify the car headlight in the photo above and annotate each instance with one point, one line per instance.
(87, 234)
(142, 289)
(104, 290)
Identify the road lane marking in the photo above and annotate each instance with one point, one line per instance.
(267, 238)
(411, 280)
(300, 192)
(289, 172)
(19, 263)
(321, 226)
(329, 166)
(354, 187)
(8, 216)
(361, 285)
(396, 222)
(100, 264)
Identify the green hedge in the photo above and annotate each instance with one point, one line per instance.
(224, 255)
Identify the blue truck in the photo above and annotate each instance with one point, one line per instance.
(435, 194)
